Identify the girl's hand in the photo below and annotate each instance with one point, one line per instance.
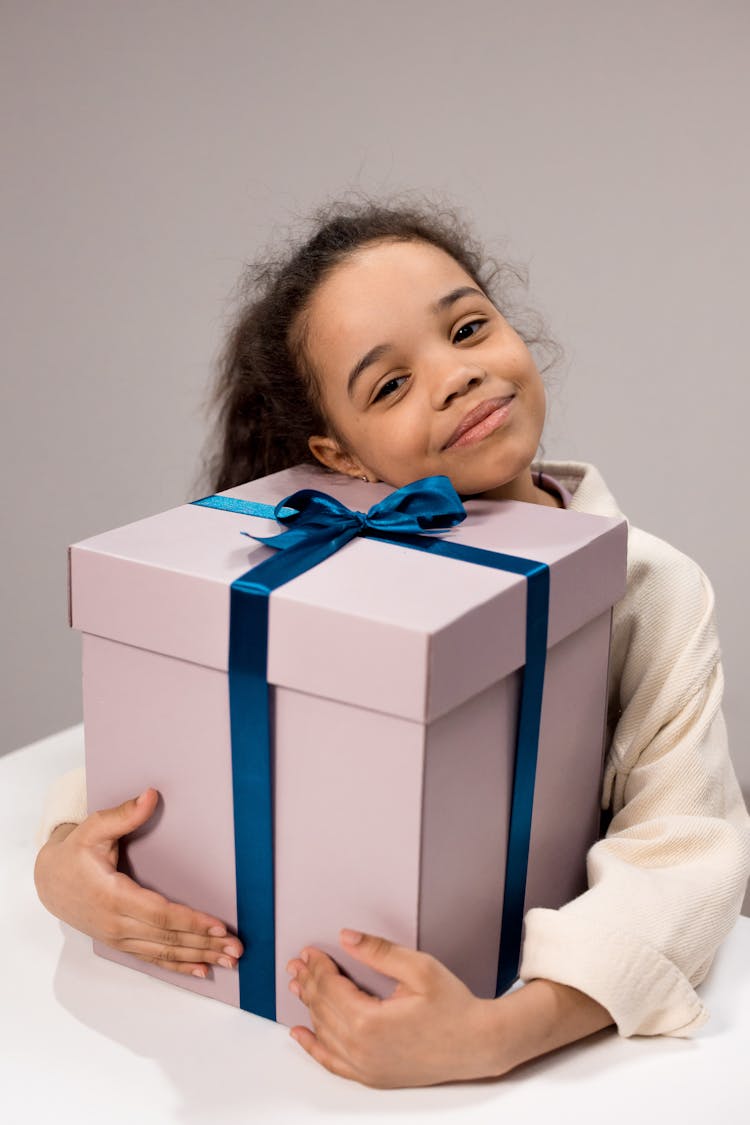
(432, 1029)
(76, 878)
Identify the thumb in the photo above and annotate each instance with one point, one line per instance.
(409, 966)
(110, 824)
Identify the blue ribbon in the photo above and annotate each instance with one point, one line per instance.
(318, 526)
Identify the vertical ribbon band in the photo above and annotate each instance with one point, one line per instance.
(320, 526)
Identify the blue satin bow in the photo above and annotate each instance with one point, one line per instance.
(318, 526)
(428, 505)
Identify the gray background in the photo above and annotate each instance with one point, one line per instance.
(151, 147)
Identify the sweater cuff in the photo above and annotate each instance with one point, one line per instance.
(65, 803)
(643, 991)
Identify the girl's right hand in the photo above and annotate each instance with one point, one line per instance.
(77, 880)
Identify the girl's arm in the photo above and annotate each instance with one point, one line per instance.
(77, 880)
(433, 1029)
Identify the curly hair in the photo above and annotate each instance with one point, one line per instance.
(266, 393)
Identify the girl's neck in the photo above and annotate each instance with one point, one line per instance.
(524, 489)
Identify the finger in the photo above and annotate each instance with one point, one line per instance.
(330, 981)
(153, 916)
(316, 959)
(331, 997)
(151, 949)
(329, 1004)
(187, 968)
(340, 1012)
(106, 825)
(328, 1058)
(331, 1030)
(309, 980)
(409, 966)
(197, 945)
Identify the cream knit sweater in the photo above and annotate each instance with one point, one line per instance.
(667, 881)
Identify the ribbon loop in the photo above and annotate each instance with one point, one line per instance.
(429, 504)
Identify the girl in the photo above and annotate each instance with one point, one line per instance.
(383, 348)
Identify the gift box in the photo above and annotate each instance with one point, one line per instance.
(395, 725)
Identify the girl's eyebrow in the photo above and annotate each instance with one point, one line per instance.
(380, 350)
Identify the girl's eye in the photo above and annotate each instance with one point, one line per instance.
(469, 324)
(389, 387)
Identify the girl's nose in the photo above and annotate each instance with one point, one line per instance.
(455, 382)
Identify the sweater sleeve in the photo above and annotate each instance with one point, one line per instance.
(65, 803)
(666, 883)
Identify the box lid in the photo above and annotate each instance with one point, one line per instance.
(375, 625)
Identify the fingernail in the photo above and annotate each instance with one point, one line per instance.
(225, 962)
(232, 950)
(141, 798)
(217, 931)
(294, 987)
(304, 956)
(200, 973)
(351, 937)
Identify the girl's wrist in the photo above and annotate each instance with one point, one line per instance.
(537, 1018)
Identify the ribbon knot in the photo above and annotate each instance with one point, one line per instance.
(360, 517)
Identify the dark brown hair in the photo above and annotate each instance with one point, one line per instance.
(266, 394)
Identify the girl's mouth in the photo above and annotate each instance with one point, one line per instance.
(490, 416)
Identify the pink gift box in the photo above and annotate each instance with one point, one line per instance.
(396, 678)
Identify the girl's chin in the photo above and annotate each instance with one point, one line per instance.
(498, 478)
(467, 483)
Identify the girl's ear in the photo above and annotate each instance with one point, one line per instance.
(328, 451)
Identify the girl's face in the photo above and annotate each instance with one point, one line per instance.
(421, 375)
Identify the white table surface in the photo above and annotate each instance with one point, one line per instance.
(83, 1039)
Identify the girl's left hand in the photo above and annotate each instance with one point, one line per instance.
(431, 1029)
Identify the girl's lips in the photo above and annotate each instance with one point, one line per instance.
(491, 421)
